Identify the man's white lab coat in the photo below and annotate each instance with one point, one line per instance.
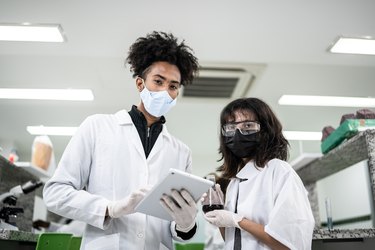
(106, 157)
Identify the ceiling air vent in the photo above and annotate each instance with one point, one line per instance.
(219, 83)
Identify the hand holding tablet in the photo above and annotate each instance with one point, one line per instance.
(178, 180)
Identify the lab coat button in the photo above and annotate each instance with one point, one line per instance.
(140, 235)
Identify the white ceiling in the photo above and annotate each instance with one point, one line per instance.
(290, 38)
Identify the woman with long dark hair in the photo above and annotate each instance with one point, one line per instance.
(266, 204)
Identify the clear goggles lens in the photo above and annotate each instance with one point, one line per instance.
(245, 128)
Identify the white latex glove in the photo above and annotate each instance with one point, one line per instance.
(125, 206)
(223, 218)
(182, 207)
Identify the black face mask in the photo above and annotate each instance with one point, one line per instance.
(243, 146)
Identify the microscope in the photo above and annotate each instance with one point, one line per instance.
(8, 203)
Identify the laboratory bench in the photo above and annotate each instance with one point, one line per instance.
(322, 239)
(343, 239)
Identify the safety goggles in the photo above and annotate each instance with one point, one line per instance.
(245, 128)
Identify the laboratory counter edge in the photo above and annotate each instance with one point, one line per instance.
(6, 234)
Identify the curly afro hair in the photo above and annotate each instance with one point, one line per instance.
(160, 46)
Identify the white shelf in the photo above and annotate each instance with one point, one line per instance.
(36, 171)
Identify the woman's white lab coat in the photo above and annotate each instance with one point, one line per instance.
(106, 157)
(275, 197)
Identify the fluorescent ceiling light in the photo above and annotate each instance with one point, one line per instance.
(302, 136)
(44, 130)
(31, 33)
(335, 101)
(48, 94)
(363, 46)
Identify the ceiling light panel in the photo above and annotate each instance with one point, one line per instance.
(47, 94)
(302, 135)
(331, 101)
(46, 130)
(31, 33)
(350, 45)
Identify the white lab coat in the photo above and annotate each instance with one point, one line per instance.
(106, 157)
(75, 227)
(273, 196)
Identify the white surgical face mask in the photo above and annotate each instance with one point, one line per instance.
(157, 103)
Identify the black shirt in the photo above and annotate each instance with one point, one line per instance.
(147, 135)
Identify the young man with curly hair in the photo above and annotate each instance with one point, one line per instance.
(113, 160)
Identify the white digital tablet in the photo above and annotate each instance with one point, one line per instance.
(176, 179)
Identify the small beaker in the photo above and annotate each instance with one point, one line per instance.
(214, 198)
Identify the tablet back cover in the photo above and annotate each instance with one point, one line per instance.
(176, 179)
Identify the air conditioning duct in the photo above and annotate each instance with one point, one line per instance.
(220, 82)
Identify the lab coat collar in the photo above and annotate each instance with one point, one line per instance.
(123, 117)
(165, 132)
(249, 171)
(164, 135)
